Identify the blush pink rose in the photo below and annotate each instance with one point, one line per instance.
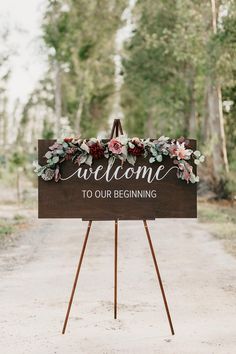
(181, 152)
(115, 146)
(172, 150)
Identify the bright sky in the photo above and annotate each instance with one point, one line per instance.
(28, 65)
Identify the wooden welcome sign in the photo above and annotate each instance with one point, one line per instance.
(102, 192)
(117, 179)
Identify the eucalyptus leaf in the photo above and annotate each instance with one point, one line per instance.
(153, 151)
(131, 145)
(60, 152)
(124, 151)
(152, 159)
(41, 170)
(122, 139)
(111, 160)
(84, 147)
(202, 158)
(197, 153)
(55, 159)
(94, 140)
(131, 159)
(74, 157)
(193, 178)
(48, 155)
(89, 160)
(120, 157)
(82, 159)
(36, 165)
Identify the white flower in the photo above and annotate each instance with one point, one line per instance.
(197, 154)
(202, 158)
(48, 174)
(163, 138)
(122, 139)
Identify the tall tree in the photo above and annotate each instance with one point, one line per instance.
(37, 116)
(162, 64)
(176, 64)
(80, 39)
(5, 72)
(215, 113)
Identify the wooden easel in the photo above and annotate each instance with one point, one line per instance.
(115, 132)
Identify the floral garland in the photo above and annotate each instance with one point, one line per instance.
(81, 151)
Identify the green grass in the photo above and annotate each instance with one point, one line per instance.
(10, 226)
(220, 219)
(5, 228)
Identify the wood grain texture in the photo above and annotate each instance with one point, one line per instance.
(175, 198)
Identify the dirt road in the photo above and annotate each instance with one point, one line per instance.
(37, 275)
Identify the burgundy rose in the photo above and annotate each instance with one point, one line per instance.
(96, 150)
(138, 148)
(68, 140)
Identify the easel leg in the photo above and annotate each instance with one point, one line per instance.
(76, 276)
(158, 275)
(115, 269)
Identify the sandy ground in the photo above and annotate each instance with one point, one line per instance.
(37, 274)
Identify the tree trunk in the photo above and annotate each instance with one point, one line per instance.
(58, 99)
(5, 122)
(205, 129)
(216, 119)
(192, 120)
(79, 114)
(192, 107)
(150, 126)
(217, 133)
